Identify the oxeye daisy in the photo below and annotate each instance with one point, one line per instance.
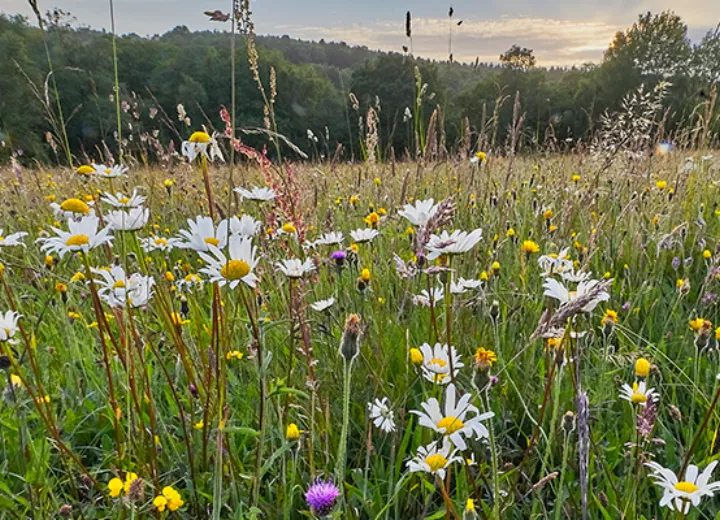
(256, 193)
(364, 235)
(558, 291)
(679, 495)
(73, 208)
(14, 239)
(638, 393)
(202, 235)
(201, 144)
(8, 326)
(452, 420)
(328, 239)
(83, 235)
(462, 285)
(454, 243)
(433, 459)
(236, 267)
(109, 172)
(245, 226)
(157, 244)
(424, 299)
(419, 213)
(294, 268)
(118, 290)
(436, 363)
(122, 201)
(131, 220)
(322, 305)
(381, 415)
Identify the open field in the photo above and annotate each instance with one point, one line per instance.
(240, 397)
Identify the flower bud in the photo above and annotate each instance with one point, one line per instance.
(350, 341)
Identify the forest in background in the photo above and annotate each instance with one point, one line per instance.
(324, 90)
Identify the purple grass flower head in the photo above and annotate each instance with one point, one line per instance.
(676, 263)
(321, 497)
(339, 257)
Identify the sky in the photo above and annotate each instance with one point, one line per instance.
(561, 32)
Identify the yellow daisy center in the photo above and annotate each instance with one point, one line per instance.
(436, 462)
(212, 241)
(2, 238)
(77, 240)
(75, 206)
(120, 284)
(124, 200)
(686, 487)
(235, 270)
(637, 398)
(108, 170)
(437, 361)
(199, 137)
(451, 424)
(161, 242)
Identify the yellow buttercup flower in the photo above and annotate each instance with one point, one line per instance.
(365, 275)
(372, 220)
(115, 485)
(642, 367)
(661, 185)
(416, 356)
(292, 433)
(484, 359)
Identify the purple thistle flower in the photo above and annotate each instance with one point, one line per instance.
(321, 497)
(339, 257)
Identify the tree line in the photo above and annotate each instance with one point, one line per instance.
(326, 90)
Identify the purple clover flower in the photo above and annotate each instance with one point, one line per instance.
(321, 497)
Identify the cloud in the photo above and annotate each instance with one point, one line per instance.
(554, 41)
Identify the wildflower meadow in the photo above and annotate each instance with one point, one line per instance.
(469, 331)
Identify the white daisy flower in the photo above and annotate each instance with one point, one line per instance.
(679, 495)
(328, 239)
(462, 285)
(436, 363)
(245, 226)
(120, 200)
(322, 305)
(117, 289)
(71, 209)
(555, 264)
(364, 235)
(558, 291)
(14, 239)
(638, 393)
(381, 415)
(424, 298)
(454, 243)
(256, 193)
(420, 213)
(235, 268)
(190, 282)
(433, 460)
(8, 325)
(202, 235)
(83, 236)
(151, 244)
(109, 172)
(295, 268)
(131, 220)
(201, 144)
(453, 421)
